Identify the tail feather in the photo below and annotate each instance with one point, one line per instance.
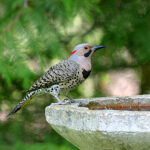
(25, 101)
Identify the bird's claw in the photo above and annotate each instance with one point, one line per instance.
(61, 103)
(81, 104)
(67, 101)
(70, 99)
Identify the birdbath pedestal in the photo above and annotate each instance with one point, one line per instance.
(103, 129)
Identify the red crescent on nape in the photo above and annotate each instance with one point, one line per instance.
(73, 52)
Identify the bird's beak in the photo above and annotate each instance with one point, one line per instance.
(97, 47)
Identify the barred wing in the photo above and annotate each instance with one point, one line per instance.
(58, 73)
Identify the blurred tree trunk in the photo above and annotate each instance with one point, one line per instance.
(145, 78)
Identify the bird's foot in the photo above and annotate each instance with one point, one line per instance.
(71, 99)
(61, 103)
(68, 101)
(81, 104)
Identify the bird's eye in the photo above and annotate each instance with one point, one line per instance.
(85, 47)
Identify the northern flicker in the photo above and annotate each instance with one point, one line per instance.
(64, 76)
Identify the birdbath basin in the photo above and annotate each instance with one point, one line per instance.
(107, 129)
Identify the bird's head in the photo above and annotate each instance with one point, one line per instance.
(84, 51)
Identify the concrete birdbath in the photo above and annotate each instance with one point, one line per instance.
(109, 123)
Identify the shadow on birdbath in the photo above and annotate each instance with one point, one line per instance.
(108, 123)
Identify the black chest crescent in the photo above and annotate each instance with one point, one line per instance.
(86, 73)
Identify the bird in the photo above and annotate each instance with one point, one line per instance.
(63, 77)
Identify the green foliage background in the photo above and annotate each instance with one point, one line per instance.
(39, 34)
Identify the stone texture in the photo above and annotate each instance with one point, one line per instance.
(102, 129)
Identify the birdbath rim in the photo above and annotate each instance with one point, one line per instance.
(105, 129)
